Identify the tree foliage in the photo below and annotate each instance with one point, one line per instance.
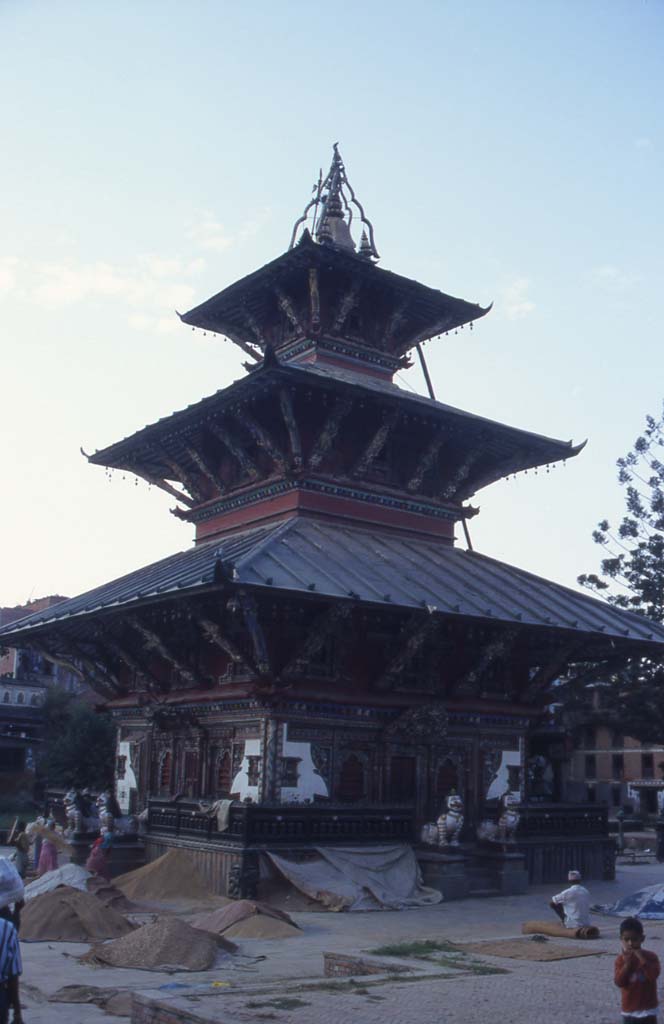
(632, 577)
(79, 743)
(632, 571)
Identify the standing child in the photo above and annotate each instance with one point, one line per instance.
(636, 973)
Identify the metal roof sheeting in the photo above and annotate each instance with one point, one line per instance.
(334, 560)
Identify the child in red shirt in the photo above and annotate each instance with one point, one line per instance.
(636, 973)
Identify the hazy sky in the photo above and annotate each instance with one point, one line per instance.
(155, 151)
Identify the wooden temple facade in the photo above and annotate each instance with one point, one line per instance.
(325, 654)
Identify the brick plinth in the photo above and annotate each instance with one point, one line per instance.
(342, 965)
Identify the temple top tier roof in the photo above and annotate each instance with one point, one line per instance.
(326, 299)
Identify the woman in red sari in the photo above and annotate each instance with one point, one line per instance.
(97, 862)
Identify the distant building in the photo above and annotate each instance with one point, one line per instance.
(24, 678)
(618, 770)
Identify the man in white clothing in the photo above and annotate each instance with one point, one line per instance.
(573, 905)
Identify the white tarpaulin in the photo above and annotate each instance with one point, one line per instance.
(72, 875)
(360, 877)
(647, 904)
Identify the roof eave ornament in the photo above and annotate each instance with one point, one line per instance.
(332, 203)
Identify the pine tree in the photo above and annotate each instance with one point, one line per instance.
(632, 577)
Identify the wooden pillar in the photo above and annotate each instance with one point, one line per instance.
(268, 788)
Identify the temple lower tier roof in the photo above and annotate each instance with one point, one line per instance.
(314, 558)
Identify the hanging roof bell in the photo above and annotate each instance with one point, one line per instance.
(332, 207)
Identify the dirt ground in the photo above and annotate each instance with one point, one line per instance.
(251, 984)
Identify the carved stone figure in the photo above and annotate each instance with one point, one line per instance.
(111, 818)
(429, 834)
(450, 822)
(80, 812)
(503, 830)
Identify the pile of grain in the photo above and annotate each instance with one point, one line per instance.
(172, 877)
(115, 1002)
(246, 919)
(67, 915)
(109, 895)
(166, 945)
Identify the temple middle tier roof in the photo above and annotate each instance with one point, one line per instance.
(301, 420)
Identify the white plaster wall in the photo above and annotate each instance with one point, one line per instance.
(123, 787)
(309, 782)
(240, 784)
(499, 782)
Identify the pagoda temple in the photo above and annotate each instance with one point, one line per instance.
(326, 655)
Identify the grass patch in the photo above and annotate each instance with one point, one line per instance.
(418, 950)
(426, 949)
(280, 1003)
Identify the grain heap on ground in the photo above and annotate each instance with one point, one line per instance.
(67, 915)
(109, 895)
(166, 945)
(247, 919)
(172, 877)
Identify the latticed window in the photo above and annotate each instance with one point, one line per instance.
(289, 771)
(590, 764)
(351, 780)
(190, 766)
(120, 767)
(224, 772)
(165, 771)
(647, 766)
(253, 770)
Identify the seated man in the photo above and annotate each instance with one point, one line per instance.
(572, 905)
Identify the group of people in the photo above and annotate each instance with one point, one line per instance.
(42, 859)
(636, 970)
(45, 854)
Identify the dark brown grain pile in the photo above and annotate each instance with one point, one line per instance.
(167, 944)
(68, 915)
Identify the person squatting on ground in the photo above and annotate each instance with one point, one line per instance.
(572, 905)
(636, 972)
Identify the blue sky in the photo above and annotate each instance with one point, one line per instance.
(154, 152)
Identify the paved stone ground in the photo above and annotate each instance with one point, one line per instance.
(561, 992)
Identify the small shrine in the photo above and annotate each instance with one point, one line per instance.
(330, 661)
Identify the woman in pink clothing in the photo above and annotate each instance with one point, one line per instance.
(48, 858)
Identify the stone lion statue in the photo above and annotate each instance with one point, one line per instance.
(450, 822)
(504, 829)
(111, 817)
(80, 812)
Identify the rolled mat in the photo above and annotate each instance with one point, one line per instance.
(556, 930)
